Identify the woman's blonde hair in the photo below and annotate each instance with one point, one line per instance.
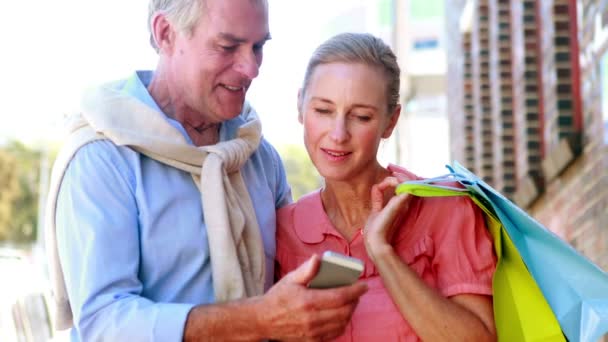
(360, 48)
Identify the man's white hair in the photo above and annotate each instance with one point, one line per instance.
(184, 14)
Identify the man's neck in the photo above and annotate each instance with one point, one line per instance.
(205, 135)
(201, 133)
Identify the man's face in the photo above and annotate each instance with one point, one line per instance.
(213, 68)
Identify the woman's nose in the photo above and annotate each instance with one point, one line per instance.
(339, 132)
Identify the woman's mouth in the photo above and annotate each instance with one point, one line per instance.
(335, 155)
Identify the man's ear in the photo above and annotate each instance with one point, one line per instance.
(392, 123)
(300, 101)
(163, 33)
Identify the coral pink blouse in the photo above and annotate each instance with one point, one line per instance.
(444, 240)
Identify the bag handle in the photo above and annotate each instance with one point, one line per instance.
(430, 188)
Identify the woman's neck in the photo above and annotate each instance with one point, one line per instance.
(348, 203)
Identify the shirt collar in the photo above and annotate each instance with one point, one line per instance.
(310, 220)
(137, 86)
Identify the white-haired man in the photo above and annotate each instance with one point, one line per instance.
(161, 219)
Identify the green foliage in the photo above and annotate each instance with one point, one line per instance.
(301, 173)
(19, 184)
(8, 190)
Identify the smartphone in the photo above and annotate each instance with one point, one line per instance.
(336, 270)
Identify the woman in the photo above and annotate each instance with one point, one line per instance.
(428, 262)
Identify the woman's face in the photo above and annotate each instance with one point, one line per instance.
(344, 113)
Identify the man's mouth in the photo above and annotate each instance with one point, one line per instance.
(233, 88)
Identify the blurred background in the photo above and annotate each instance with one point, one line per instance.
(517, 91)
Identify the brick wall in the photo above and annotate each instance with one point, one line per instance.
(545, 107)
(575, 204)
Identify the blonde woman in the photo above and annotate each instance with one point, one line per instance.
(428, 262)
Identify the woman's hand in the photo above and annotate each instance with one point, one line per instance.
(386, 215)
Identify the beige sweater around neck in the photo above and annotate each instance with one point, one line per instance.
(236, 248)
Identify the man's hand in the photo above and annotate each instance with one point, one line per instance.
(291, 311)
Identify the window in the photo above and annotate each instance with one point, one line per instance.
(604, 92)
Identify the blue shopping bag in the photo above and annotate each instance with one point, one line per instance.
(575, 288)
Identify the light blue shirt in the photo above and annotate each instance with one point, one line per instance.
(132, 238)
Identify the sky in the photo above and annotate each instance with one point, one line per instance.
(53, 50)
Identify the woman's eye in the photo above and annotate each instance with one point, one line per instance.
(364, 118)
(228, 48)
(322, 110)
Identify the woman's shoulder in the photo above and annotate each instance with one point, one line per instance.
(299, 229)
(396, 169)
(299, 215)
(444, 209)
(306, 202)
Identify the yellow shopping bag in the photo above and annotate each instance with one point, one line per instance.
(521, 311)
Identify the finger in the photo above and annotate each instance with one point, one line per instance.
(403, 206)
(331, 322)
(398, 201)
(388, 182)
(402, 177)
(334, 333)
(379, 195)
(377, 199)
(305, 272)
(397, 204)
(337, 297)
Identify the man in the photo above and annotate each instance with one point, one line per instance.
(137, 252)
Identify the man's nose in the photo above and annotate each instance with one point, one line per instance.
(248, 64)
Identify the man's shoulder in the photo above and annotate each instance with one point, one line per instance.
(268, 148)
(97, 156)
(104, 149)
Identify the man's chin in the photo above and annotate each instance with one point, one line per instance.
(231, 113)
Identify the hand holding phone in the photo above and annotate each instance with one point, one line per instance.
(336, 270)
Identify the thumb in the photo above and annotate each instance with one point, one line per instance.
(305, 272)
(377, 198)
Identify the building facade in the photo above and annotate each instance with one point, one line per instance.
(421, 137)
(527, 93)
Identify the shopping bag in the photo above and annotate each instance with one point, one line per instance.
(575, 288)
(521, 312)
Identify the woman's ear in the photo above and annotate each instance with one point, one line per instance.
(392, 122)
(300, 100)
(163, 33)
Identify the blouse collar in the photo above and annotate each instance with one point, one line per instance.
(310, 220)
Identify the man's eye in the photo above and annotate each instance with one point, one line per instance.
(363, 118)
